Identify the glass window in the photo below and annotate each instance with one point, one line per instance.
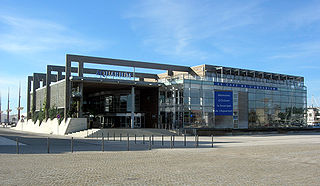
(284, 98)
(195, 100)
(251, 96)
(208, 102)
(208, 94)
(194, 93)
(259, 104)
(259, 97)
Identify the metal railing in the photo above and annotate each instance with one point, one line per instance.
(118, 143)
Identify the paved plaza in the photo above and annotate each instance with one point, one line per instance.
(235, 160)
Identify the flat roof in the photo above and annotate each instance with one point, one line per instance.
(159, 66)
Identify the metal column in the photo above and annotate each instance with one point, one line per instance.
(68, 87)
(80, 89)
(48, 82)
(132, 106)
(174, 109)
(28, 97)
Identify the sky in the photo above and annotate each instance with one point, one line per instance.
(273, 36)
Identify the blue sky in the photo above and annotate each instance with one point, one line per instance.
(277, 36)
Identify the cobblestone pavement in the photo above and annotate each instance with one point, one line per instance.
(250, 160)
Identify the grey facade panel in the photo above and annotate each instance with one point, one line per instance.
(31, 101)
(57, 94)
(243, 110)
(222, 122)
(40, 98)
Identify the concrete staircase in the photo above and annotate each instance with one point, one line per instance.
(94, 133)
(83, 133)
(132, 132)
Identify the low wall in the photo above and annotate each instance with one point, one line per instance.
(52, 126)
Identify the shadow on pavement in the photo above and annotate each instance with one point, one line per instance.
(39, 145)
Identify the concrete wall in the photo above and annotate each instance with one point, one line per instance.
(52, 126)
(76, 124)
(199, 70)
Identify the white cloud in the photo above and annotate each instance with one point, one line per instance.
(175, 27)
(298, 50)
(25, 35)
(305, 15)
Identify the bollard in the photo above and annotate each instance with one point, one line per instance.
(185, 140)
(48, 146)
(162, 140)
(170, 141)
(135, 139)
(71, 144)
(102, 143)
(120, 136)
(114, 136)
(212, 141)
(149, 142)
(195, 140)
(108, 137)
(143, 138)
(17, 150)
(152, 140)
(128, 143)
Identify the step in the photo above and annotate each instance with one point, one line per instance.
(132, 132)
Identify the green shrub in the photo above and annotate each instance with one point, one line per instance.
(41, 116)
(61, 113)
(53, 112)
(35, 117)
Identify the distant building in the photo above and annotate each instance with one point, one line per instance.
(313, 115)
(183, 97)
(12, 118)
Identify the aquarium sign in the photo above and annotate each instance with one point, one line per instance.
(111, 73)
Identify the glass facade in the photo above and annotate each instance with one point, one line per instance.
(189, 102)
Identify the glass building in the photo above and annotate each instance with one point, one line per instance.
(256, 99)
(199, 97)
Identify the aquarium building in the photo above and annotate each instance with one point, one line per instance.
(182, 97)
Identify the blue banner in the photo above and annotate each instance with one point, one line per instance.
(245, 86)
(223, 101)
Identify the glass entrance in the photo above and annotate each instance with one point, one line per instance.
(122, 120)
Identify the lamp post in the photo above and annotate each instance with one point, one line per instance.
(8, 110)
(19, 106)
